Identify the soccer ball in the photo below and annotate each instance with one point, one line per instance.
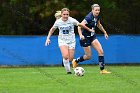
(79, 71)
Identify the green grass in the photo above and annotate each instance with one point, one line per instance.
(124, 79)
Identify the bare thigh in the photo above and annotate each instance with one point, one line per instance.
(64, 51)
(67, 53)
(97, 46)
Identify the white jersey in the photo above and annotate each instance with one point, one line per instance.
(66, 29)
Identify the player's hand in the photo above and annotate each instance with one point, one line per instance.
(82, 37)
(106, 36)
(47, 42)
(92, 30)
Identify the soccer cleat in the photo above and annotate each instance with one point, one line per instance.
(104, 72)
(69, 73)
(74, 63)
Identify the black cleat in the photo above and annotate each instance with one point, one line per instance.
(69, 73)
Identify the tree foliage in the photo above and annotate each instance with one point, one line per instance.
(35, 17)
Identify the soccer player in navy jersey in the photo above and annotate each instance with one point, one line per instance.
(88, 38)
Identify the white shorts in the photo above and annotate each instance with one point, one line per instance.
(67, 42)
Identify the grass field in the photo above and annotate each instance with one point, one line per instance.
(124, 79)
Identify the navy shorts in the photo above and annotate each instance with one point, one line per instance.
(87, 41)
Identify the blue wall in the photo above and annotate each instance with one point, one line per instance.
(30, 50)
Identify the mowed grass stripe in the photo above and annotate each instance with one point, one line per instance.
(123, 79)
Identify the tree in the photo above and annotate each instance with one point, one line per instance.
(35, 17)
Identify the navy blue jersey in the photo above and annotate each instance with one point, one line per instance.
(91, 23)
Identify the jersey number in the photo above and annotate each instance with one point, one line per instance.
(65, 31)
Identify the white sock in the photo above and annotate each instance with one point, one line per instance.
(66, 64)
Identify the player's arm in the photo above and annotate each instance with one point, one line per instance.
(49, 35)
(80, 33)
(99, 25)
(83, 25)
(80, 26)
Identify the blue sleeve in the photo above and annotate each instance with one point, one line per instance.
(87, 19)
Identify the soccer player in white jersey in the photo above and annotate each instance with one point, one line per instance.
(66, 38)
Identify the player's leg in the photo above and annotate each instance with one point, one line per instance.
(71, 54)
(62, 62)
(65, 55)
(86, 56)
(71, 50)
(86, 46)
(97, 46)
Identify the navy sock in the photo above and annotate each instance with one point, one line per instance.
(101, 62)
(79, 59)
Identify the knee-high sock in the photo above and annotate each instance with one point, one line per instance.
(66, 64)
(101, 62)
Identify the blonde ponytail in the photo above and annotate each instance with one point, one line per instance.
(57, 14)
